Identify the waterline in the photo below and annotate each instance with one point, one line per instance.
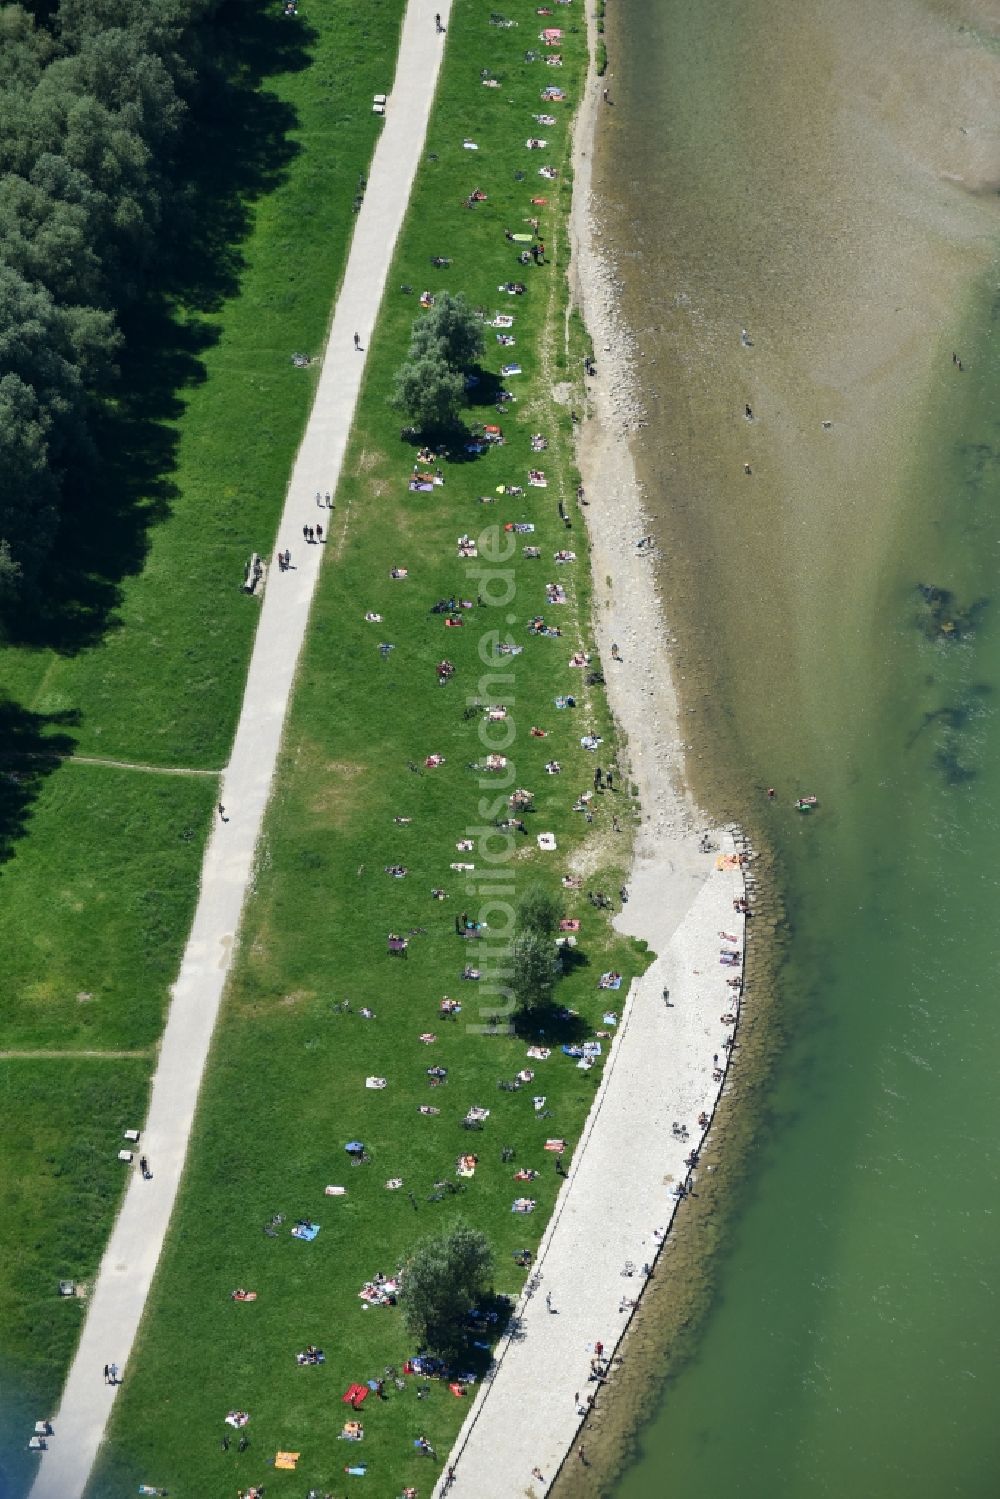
(819, 177)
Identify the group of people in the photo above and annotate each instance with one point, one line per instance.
(381, 1289)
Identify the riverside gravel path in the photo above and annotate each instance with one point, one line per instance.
(617, 1202)
(126, 1272)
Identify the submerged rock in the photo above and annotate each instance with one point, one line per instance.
(940, 615)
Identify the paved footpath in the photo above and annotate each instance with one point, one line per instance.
(127, 1268)
(617, 1201)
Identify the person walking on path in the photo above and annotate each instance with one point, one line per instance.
(437, 24)
(548, 1302)
(357, 341)
(118, 1298)
(107, 1373)
(319, 533)
(222, 813)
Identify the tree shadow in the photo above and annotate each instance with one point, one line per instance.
(29, 752)
(486, 390)
(487, 1325)
(552, 1024)
(236, 148)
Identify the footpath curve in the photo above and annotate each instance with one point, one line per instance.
(126, 1271)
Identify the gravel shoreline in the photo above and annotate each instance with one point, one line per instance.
(637, 1157)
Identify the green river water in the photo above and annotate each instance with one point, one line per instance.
(826, 177)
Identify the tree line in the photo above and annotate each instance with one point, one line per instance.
(93, 100)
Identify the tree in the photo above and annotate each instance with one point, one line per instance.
(445, 1277)
(428, 390)
(538, 911)
(47, 239)
(534, 970)
(452, 328)
(10, 572)
(28, 490)
(430, 386)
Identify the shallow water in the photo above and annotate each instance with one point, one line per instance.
(825, 178)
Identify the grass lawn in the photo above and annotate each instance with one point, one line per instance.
(61, 1124)
(286, 1085)
(148, 647)
(95, 906)
(142, 652)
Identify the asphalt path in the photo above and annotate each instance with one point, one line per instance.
(126, 1273)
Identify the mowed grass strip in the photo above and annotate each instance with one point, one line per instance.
(286, 1086)
(211, 409)
(61, 1125)
(96, 904)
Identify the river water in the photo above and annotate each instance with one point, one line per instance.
(825, 178)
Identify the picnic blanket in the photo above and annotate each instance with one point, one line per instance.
(286, 1460)
(305, 1231)
(355, 1394)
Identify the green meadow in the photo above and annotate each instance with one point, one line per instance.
(61, 1123)
(139, 651)
(286, 1084)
